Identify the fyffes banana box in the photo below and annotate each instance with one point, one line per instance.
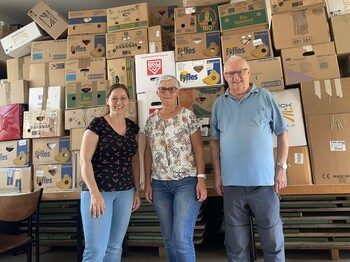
(53, 178)
(200, 73)
(86, 46)
(197, 46)
(15, 153)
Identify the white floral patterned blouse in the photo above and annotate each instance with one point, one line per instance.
(171, 146)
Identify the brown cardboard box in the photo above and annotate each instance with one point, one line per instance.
(251, 44)
(126, 43)
(18, 68)
(15, 153)
(19, 180)
(329, 149)
(53, 178)
(189, 3)
(329, 96)
(39, 75)
(86, 94)
(49, 19)
(76, 136)
(299, 168)
(158, 39)
(122, 70)
(164, 15)
(86, 46)
(267, 73)
(87, 21)
(52, 150)
(200, 100)
(307, 63)
(196, 19)
(48, 51)
(129, 17)
(283, 6)
(56, 74)
(243, 14)
(6, 29)
(85, 69)
(14, 92)
(300, 28)
(340, 25)
(48, 123)
(197, 46)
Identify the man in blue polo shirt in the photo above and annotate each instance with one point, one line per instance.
(243, 123)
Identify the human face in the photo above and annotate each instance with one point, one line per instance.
(168, 92)
(237, 74)
(118, 101)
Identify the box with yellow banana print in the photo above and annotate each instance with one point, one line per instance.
(86, 46)
(53, 150)
(15, 153)
(53, 178)
(200, 73)
(197, 46)
(18, 180)
(249, 45)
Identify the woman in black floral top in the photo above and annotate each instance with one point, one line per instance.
(110, 169)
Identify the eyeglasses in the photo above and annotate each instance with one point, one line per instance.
(171, 90)
(238, 72)
(122, 99)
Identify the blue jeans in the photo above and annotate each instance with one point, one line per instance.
(104, 236)
(264, 203)
(177, 208)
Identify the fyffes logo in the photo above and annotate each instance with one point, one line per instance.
(186, 76)
(234, 50)
(3, 157)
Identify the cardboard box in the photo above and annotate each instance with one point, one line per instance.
(196, 19)
(18, 68)
(87, 21)
(129, 17)
(164, 15)
(11, 121)
(189, 3)
(86, 46)
(243, 14)
(158, 39)
(126, 43)
(122, 70)
(18, 43)
(49, 19)
(15, 153)
(329, 149)
(76, 136)
(300, 28)
(147, 103)
(48, 123)
(313, 62)
(248, 45)
(56, 74)
(52, 150)
(48, 51)
(200, 100)
(149, 67)
(299, 168)
(19, 180)
(197, 46)
(289, 103)
(43, 98)
(86, 94)
(329, 96)
(339, 25)
(200, 73)
(267, 73)
(86, 69)
(283, 6)
(53, 178)
(14, 92)
(6, 29)
(338, 7)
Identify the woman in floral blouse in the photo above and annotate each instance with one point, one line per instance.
(110, 168)
(174, 170)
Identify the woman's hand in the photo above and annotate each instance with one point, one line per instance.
(97, 205)
(137, 200)
(201, 190)
(148, 192)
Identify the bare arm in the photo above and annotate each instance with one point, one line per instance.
(198, 150)
(148, 169)
(88, 147)
(215, 156)
(282, 155)
(136, 176)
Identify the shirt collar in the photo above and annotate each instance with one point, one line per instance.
(253, 89)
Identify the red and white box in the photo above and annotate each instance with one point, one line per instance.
(11, 122)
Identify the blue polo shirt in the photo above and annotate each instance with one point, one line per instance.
(245, 129)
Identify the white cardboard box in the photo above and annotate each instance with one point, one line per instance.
(54, 99)
(147, 103)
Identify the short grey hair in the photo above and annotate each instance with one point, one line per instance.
(165, 78)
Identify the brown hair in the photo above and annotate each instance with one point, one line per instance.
(116, 86)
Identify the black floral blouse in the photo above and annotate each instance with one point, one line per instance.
(112, 160)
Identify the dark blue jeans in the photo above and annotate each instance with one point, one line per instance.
(177, 208)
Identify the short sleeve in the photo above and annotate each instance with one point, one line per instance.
(193, 122)
(95, 125)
